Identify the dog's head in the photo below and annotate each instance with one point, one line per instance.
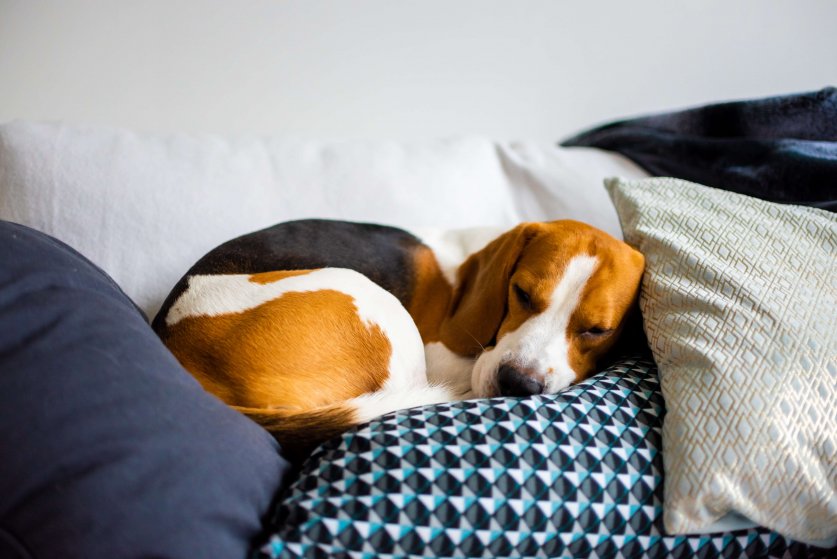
(539, 305)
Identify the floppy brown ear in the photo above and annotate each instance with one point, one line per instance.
(632, 331)
(480, 296)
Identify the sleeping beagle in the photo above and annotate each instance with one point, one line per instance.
(312, 326)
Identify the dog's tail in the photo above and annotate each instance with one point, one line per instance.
(300, 431)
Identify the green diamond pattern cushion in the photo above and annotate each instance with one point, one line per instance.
(739, 302)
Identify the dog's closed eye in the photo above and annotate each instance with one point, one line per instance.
(596, 332)
(523, 298)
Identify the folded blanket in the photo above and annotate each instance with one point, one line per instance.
(782, 149)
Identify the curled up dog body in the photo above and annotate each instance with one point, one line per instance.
(310, 327)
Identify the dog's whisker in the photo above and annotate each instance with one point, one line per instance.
(475, 339)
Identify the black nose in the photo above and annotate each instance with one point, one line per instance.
(514, 382)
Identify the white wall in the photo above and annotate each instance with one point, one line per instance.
(397, 69)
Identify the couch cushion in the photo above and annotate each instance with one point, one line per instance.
(145, 207)
(576, 474)
(739, 302)
(108, 447)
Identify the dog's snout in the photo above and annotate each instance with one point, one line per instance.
(515, 382)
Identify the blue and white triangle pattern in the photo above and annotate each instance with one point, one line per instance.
(577, 474)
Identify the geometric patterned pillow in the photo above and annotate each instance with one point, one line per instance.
(575, 474)
(739, 303)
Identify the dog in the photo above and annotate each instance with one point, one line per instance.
(310, 327)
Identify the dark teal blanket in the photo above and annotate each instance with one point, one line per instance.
(782, 149)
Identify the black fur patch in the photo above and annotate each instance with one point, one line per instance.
(381, 253)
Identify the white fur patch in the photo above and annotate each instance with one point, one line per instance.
(449, 368)
(453, 247)
(389, 399)
(540, 343)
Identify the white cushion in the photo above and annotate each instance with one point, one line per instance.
(145, 207)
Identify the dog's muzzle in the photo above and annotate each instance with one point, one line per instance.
(518, 382)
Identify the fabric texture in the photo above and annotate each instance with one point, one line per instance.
(782, 149)
(145, 207)
(576, 474)
(108, 448)
(738, 302)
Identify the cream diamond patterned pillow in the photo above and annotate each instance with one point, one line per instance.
(739, 302)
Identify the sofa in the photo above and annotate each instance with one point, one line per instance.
(110, 448)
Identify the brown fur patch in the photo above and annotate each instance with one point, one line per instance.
(299, 432)
(296, 356)
(431, 294)
(607, 302)
(479, 301)
(270, 277)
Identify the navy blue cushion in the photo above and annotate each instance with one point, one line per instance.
(782, 148)
(108, 448)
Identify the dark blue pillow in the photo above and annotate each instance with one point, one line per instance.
(108, 448)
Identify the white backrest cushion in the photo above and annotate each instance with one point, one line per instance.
(145, 207)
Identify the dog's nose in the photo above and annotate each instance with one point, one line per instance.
(514, 382)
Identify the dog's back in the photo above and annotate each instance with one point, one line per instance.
(379, 252)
